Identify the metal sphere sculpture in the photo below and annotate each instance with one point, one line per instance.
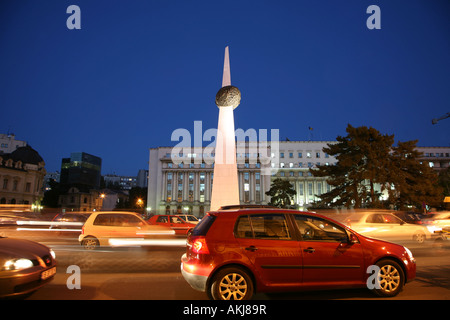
(228, 96)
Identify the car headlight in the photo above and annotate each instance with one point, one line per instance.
(53, 254)
(18, 264)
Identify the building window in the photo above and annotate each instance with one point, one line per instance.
(257, 192)
(191, 192)
(169, 191)
(180, 192)
(191, 187)
(310, 189)
(212, 180)
(180, 188)
(5, 183)
(202, 186)
(246, 187)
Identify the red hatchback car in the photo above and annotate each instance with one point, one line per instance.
(233, 253)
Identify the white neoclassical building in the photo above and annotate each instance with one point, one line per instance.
(182, 183)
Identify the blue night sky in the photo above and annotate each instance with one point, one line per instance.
(137, 70)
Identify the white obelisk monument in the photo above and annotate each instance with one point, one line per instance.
(225, 189)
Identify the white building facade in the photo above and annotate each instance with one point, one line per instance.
(185, 187)
(437, 158)
(8, 143)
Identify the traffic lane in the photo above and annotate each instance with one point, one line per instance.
(172, 286)
(157, 259)
(432, 283)
(120, 286)
(120, 260)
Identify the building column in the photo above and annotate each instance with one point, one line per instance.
(252, 182)
(164, 186)
(196, 186)
(174, 186)
(185, 186)
(207, 186)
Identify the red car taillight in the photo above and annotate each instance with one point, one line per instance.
(82, 230)
(199, 246)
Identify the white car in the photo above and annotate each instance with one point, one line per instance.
(103, 226)
(438, 221)
(189, 218)
(386, 226)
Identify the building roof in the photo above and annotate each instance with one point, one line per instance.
(27, 155)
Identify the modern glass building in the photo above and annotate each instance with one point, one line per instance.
(81, 169)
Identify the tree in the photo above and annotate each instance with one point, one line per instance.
(51, 196)
(366, 158)
(444, 181)
(281, 193)
(137, 199)
(414, 183)
(363, 159)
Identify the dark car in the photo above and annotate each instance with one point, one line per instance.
(231, 254)
(25, 266)
(70, 220)
(10, 219)
(409, 217)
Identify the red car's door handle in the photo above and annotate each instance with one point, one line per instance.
(251, 248)
(309, 250)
